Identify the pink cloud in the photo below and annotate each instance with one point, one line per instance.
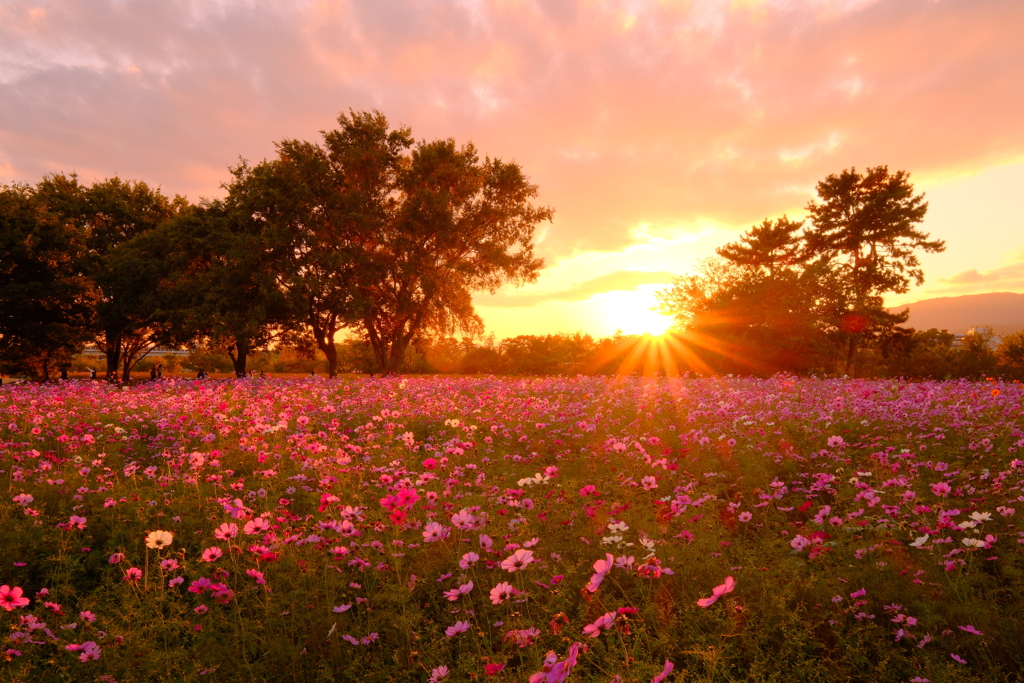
(622, 112)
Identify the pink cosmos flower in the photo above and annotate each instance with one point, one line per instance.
(517, 560)
(116, 558)
(226, 531)
(502, 592)
(718, 592)
(970, 629)
(437, 674)
(255, 526)
(555, 671)
(493, 669)
(89, 650)
(605, 621)
(745, 516)
(941, 489)
(212, 554)
(456, 593)
(78, 522)
(664, 672)
(236, 509)
(11, 598)
(957, 658)
(457, 628)
(468, 560)
(132, 574)
(602, 567)
(522, 637)
(406, 498)
(434, 532)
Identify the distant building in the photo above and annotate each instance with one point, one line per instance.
(960, 340)
(94, 353)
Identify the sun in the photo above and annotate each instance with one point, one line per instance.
(632, 312)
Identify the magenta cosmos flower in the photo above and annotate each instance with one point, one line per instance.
(12, 597)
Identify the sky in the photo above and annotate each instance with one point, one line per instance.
(658, 130)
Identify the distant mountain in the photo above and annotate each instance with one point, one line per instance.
(1002, 311)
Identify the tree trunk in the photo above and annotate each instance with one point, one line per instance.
(127, 374)
(331, 352)
(324, 337)
(851, 355)
(239, 359)
(113, 351)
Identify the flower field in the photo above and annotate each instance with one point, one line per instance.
(557, 529)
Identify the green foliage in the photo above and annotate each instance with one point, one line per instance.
(44, 300)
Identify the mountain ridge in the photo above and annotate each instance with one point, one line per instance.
(1002, 311)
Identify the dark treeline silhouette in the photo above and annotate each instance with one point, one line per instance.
(380, 240)
(368, 231)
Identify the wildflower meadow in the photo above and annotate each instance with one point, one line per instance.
(556, 529)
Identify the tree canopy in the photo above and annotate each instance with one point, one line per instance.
(375, 232)
(788, 296)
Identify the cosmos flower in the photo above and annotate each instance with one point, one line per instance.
(717, 592)
(158, 540)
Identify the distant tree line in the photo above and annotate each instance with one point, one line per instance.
(368, 231)
(361, 254)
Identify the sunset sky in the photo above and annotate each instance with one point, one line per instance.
(657, 130)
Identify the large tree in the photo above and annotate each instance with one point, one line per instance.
(865, 223)
(219, 281)
(373, 232)
(111, 214)
(464, 225)
(45, 303)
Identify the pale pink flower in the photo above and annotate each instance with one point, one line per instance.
(555, 671)
(468, 560)
(970, 629)
(457, 628)
(718, 592)
(605, 621)
(255, 526)
(502, 592)
(434, 532)
(517, 560)
(226, 531)
(602, 567)
(456, 593)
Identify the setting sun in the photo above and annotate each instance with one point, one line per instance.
(633, 312)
